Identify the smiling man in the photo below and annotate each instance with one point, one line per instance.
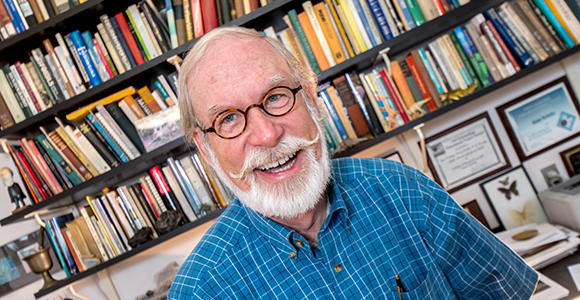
(303, 226)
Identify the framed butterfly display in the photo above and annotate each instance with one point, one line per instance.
(541, 119)
(514, 199)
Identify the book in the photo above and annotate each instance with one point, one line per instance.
(143, 31)
(128, 112)
(432, 70)
(557, 26)
(209, 13)
(180, 22)
(24, 90)
(98, 144)
(529, 18)
(429, 9)
(349, 101)
(363, 101)
(506, 11)
(304, 41)
(474, 56)
(94, 242)
(41, 165)
(416, 65)
(154, 195)
(104, 56)
(16, 112)
(122, 22)
(17, 18)
(56, 248)
(305, 24)
(160, 34)
(507, 34)
(329, 33)
(60, 71)
(106, 225)
(393, 93)
(69, 139)
(118, 135)
(17, 92)
(122, 47)
(332, 112)
(186, 186)
(564, 14)
(119, 217)
(92, 119)
(54, 168)
(145, 94)
(206, 203)
(55, 155)
(475, 36)
(415, 11)
(6, 119)
(135, 107)
(403, 79)
(125, 125)
(56, 224)
(45, 76)
(72, 247)
(92, 154)
(30, 189)
(461, 57)
(85, 58)
(166, 194)
(111, 48)
(78, 87)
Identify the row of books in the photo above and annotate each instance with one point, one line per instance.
(490, 47)
(81, 61)
(17, 16)
(333, 31)
(106, 223)
(105, 137)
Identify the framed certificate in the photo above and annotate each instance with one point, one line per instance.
(571, 159)
(541, 119)
(465, 153)
(514, 199)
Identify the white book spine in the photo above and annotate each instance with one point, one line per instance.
(446, 45)
(129, 213)
(111, 48)
(120, 234)
(179, 193)
(24, 91)
(196, 181)
(19, 10)
(116, 43)
(93, 232)
(107, 227)
(68, 61)
(35, 92)
(10, 99)
(568, 17)
(99, 64)
(501, 68)
(155, 194)
(135, 209)
(90, 152)
(151, 34)
(375, 31)
(114, 135)
(128, 111)
(107, 244)
(142, 30)
(112, 127)
(42, 9)
(56, 76)
(159, 99)
(121, 217)
(438, 55)
(77, 86)
(319, 33)
(509, 20)
(270, 32)
(167, 87)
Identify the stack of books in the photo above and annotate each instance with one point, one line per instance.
(107, 222)
(104, 137)
(490, 47)
(81, 61)
(17, 16)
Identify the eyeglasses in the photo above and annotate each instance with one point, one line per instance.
(231, 123)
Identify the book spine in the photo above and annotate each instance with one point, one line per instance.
(524, 11)
(304, 41)
(73, 249)
(125, 126)
(429, 9)
(354, 110)
(154, 193)
(509, 37)
(142, 32)
(85, 58)
(541, 4)
(119, 49)
(6, 119)
(69, 62)
(143, 106)
(500, 48)
(185, 185)
(180, 22)
(16, 111)
(124, 225)
(396, 99)
(188, 22)
(212, 199)
(43, 166)
(77, 86)
(107, 63)
(117, 150)
(59, 70)
(17, 92)
(111, 225)
(105, 54)
(31, 87)
(145, 94)
(431, 71)
(313, 41)
(381, 19)
(474, 56)
(59, 160)
(157, 31)
(342, 112)
(39, 82)
(54, 169)
(333, 115)
(16, 18)
(55, 226)
(171, 21)
(178, 192)
(56, 249)
(377, 104)
(98, 64)
(328, 32)
(71, 48)
(106, 124)
(407, 15)
(362, 101)
(94, 234)
(452, 64)
(415, 12)
(93, 155)
(68, 141)
(473, 34)
(536, 49)
(135, 107)
(31, 190)
(35, 177)
(209, 13)
(23, 91)
(115, 56)
(99, 146)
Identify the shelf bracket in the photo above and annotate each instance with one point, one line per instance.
(383, 54)
(39, 220)
(175, 60)
(72, 290)
(418, 151)
(108, 285)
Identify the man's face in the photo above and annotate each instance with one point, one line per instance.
(236, 75)
(6, 177)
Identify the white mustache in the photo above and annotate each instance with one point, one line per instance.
(264, 156)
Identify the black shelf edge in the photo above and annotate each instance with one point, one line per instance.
(258, 12)
(127, 168)
(413, 38)
(126, 255)
(447, 108)
(48, 23)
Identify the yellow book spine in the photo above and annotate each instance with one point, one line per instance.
(90, 199)
(77, 152)
(352, 24)
(563, 16)
(78, 115)
(331, 37)
(340, 28)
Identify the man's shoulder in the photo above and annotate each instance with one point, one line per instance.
(348, 169)
(218, 243)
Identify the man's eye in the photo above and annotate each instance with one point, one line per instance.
(229, 118)
(274, 98)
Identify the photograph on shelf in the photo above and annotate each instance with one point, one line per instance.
(465, 153)
(473, 209)
(14, 271)
(514, 199)
(571, 159)
(393, 155)
(541, 119)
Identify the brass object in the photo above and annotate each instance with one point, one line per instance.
(292, 255)
(525, 235)
(40, 262)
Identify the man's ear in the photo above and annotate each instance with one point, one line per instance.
(197, 138)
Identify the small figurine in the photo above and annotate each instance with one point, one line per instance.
(16, 194)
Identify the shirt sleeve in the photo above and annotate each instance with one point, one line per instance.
(476, 263)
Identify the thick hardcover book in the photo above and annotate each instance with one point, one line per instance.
(122, 22)
(39, 185)
(56, 224)
(106, 224)
(432, 71)
(186, 186)
(111, 48)
(546, 23)
(138, 41)
(100, 146)
(153, 194)
(123, 44)
(9, 97)
(30, 11)
(413, 7)
(145, 94)
(406, 14)
(85, 58)
(45, 76)
(304, 41)
(208, 11)
(6, 22)
(89, 232)
(42, 165)
(143, 32)
(71, 48)
(35, 77)
(463, 57)
(135, 107)
(17, 91)
(429, 9)
(18, 21)
(34, 162)
(25, 89)
(98, 63)
(104, 56)
(523, 32)
(205, 198)
(381, 20)
(35, 85)
(510, 39)
(501, 49)
(354, 110)
(187, 20)
(455, 63)
(125, 125)
(70, 156)
(165, 192)
(58, 159)
(158, 31)
(6, 119)
(474, 34)
(69, 138)
(124, 225)
(342, 112)
(179, 21)
(197, 162)
(171, 24)
(143, 106)
(318, 32)
(30, 188)
(73, 248)
(363, 101)
(90, 152)
(136, 191)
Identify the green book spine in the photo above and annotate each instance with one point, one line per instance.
(463, 57)
(415, 12)
(138, 34)
(410, 79)
(70, 174)
(303, 41)
(162, 90)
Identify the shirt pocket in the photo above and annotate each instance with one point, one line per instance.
(435, 286)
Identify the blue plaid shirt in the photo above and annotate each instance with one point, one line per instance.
(385, 219)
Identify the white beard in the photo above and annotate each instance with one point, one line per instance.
(291, 198)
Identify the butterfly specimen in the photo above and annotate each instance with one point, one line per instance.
(523, 217)
(507, 192)
(505, 182)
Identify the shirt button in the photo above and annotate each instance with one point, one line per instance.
(300, 243)
(337, 268)
(292, 255)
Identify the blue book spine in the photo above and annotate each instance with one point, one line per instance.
(107, 138)
(510, 38)
(555, 23)
(55, 226)
(192, 199)
(83, 53)
(197, 204)
(56, 249)
(10, 6)
(380, 85)
(464, 37)
(430, 70)
(366, 25)
(334, 115)
(123, 42)
(407, 14)
(454, 4)
(88, 39)
(162, 90)
(381, 20)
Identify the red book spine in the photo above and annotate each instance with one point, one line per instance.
(254, 5)
(27, 180)
(159, 180)
(503, 46)
(440, 7)
(196, 15)
(420, 82)
(35, 168)
(28, 87)
(32, 176)
(148, 197)
(208, 10)
(129, 38)
(44, 166)
(393, 93)
(72, 250)
(446, 5)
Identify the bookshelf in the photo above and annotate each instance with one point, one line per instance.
(270, 14)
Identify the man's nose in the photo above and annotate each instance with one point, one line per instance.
(262, 128)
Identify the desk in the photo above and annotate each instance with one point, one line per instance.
(559, 273)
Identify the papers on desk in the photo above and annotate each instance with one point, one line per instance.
(548, 289)
(552, 243)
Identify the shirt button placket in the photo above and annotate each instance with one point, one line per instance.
(337, 268)
(299, 243)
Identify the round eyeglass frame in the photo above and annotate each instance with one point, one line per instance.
(245, 113)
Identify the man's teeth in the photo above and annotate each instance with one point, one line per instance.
(279, 163)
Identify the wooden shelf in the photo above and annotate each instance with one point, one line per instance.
(126, 255)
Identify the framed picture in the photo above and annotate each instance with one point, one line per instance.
(514, 199)
(571, 159)
(393, 155)
(541, 119)
(14, 271)
(473, 209)
(465, 153)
